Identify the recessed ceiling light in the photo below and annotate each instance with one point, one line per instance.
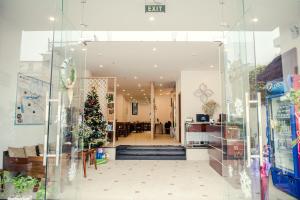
(211, 66)
(155, 66)
(151, 18)
(154, 49)
(118, 85)
(161, 77)
(160, 84)
(99, 54)
(124, 90)
(52, 19)
(255, 19)
(101, 66)
(135, 77)
(144, 94)
(142, 90)
(83, 49)
(139, 85)
(130, 97)
(128, 94)
(160, 90)
(160, 94)
(72, 49)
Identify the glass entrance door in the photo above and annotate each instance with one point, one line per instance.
(261, 100)
(62, 148)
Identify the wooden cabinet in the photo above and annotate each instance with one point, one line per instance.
(226, 148)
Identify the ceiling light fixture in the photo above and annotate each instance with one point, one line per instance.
(118, 85)
(83, 49)
(160, 94)
(135, 77)
(151, 18)
(160, 84)
(72, 49)
(154, 49)
(52, 19)
(160, 90)
(101, 66)
(139, 85)
(161, 77)
(211, 66)
(124, 90)
(155, 66)
(255, 19)
(128, 94)
(142, 90)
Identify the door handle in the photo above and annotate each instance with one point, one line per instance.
(46, 129)
(248, 131)
(58, 129)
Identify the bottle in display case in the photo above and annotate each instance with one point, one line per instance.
(281, 132)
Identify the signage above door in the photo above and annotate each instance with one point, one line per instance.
(156, 6)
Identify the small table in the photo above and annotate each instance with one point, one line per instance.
(2, 178)
(91, 154)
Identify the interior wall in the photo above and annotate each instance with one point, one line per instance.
(121, 108)
(12, 135)
(164, 109)
(190, 103)
(143, 113)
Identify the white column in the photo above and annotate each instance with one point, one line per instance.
(152, 110)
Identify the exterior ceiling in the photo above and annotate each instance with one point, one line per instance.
(120, 15)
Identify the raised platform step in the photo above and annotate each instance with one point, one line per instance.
(125, 152)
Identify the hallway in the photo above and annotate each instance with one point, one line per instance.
(145, 139)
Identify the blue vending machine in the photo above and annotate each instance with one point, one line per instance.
(281, 134)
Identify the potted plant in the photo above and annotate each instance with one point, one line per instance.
(3, 182)
(23, 186)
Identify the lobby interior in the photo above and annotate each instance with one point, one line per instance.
(182, 96)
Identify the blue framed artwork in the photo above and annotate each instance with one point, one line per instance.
(30, 100)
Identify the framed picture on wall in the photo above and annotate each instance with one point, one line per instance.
(134, 108)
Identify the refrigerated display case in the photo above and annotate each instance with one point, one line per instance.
(281, 132)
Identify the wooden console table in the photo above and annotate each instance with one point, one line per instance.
(91, 154)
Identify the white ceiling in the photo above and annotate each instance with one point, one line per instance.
(133, 62)
(121, 15)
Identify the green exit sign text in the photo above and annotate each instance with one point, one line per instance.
(155, 8)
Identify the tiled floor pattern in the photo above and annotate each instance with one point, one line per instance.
(145, 139)
(156, 180)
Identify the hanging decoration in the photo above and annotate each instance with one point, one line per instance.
(203, 92)
(68, 83)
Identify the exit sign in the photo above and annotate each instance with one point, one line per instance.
(155, 8)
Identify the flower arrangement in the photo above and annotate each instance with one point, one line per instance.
(210, 107)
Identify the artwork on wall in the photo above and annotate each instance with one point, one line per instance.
(134, 108)
(30, 100)
(203, 92)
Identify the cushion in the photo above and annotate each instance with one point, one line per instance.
(16, 152)
(30, 151)
(41, 149)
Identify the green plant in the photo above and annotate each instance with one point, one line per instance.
(23, 184)
(40, 194)
(294, 96)
(3, 182)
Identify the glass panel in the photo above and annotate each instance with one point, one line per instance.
(281, 137)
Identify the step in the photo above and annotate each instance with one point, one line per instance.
(152, 152)
(156, 152)
(151, 158)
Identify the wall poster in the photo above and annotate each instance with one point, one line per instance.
(30, 100)
(135, 107)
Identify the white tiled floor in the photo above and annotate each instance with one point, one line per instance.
(156, 180)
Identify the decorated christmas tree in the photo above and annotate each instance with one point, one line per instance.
(94, 119)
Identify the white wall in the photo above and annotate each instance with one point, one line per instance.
(191, 104)
(164, 109)
(12, 135)
(143, 113)
(178, 91)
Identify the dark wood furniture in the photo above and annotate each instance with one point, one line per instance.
(91, 155)
(227, 148)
